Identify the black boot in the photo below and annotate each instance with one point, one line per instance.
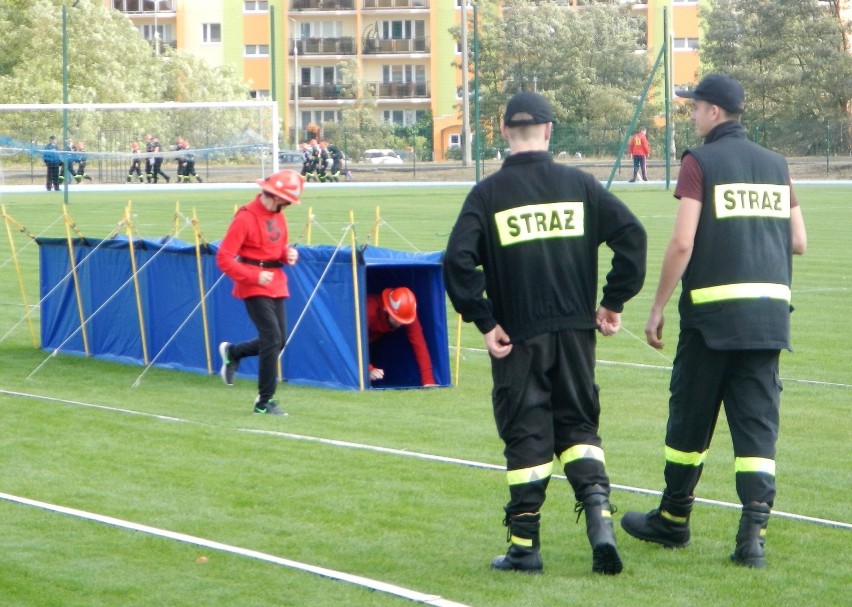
(751, 536)
(595, 504)
(667, 525)
(523, 554)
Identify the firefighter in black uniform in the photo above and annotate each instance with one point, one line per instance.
(70, 157)
(134, 163)
(180, 159)
(738, 225)
(149, 157)
(535, 227)
(53, 162)
(157, 158)
(82, 159)
(188, 163)
(336, 162)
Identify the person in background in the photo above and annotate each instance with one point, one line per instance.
(252, 253)
(388, 311)
(52, 161)
(640, 150)
(69, 158)
(528, 237)
(737, 227)
(149, 157)
(157, 158)
(82, 159)
(188, 163)
(134, 163)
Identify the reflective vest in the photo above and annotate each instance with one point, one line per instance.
(736, 287)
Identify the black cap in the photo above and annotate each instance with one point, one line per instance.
(526, 108)
(720, 90)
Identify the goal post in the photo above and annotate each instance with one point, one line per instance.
(218, 132)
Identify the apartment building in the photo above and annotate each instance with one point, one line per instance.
(400, 49)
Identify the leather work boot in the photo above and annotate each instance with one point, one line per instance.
(751, 536)
(523, 554)
(667, 525)
(599, 528)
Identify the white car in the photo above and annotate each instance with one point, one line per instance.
(387, 156)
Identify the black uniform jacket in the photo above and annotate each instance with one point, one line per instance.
(528, 237)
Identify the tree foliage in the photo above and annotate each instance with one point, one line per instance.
(789, 55)
(584, 61)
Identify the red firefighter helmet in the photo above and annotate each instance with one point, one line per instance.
(286, 184)
(400, 305)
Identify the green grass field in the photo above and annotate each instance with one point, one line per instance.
(182, 453)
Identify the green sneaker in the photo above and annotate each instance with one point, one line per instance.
(229, 367)
(269, 408)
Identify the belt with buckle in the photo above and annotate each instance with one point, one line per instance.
(260, 263)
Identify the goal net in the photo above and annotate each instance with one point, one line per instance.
(227, 141)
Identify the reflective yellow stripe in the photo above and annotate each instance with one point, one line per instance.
(754, 464)
(580, 452)
(693, 458)
(528, 475)
(675, 519)
(521, 541)
(745, 290)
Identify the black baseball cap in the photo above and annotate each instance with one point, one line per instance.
(527, 108)
(718, 89)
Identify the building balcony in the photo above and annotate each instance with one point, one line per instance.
(322, 5)
(325, 46)
(380, 90)
(399, 90)
(145, 8)
(378, 46)
(386, 4)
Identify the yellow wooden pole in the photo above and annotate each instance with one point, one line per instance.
(19, 275)
(136, 285)
(458, 347)
(376, 227)
(310, 225)
(358, 342)
(68, 224)
(177, 218)
(201, 291)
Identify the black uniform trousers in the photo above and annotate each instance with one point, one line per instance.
(748, 383)
(546, 401)
(270, 318)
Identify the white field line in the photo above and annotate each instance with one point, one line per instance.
(414, 454)
(405, 593)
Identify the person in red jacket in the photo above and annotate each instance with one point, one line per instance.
(640, 150)
(252, 253)
(389, 310)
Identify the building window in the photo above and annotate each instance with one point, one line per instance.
(402, 117)
(211, 33)
(685, 44)
(261, 94)
(256, 6)
(257, 50)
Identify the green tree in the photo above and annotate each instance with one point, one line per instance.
(790, 57)
(584, 61)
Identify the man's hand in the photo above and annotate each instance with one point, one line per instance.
(654, 329)
(265, 277)
(292, 256)
(377, 374)
(498, 342)
(608, 322)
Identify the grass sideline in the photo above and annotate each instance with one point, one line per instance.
(420, 524)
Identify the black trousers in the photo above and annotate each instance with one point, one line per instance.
(270, 318)
(748, 383)
(546, 402)
(52, 181)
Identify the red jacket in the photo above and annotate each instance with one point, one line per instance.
(639, 145)
(378, 325)
(258, 234)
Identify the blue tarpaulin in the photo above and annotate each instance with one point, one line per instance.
(322, 347)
